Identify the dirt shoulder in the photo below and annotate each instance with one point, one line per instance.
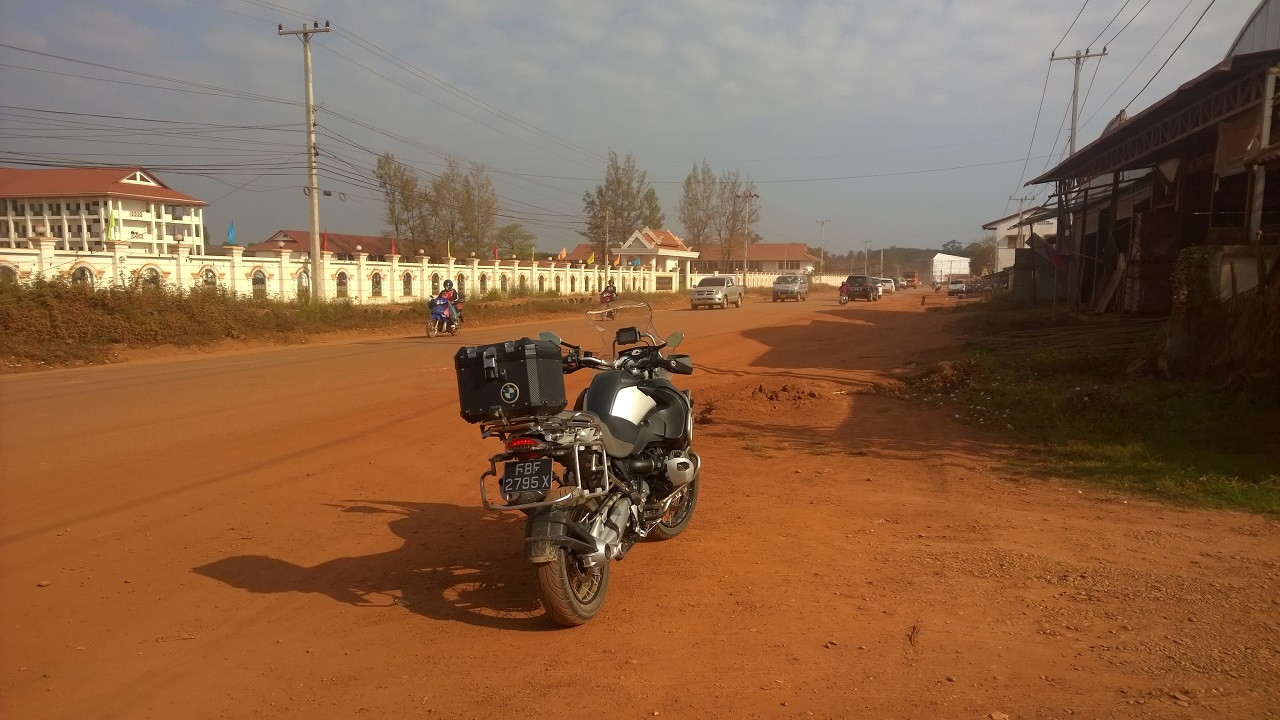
(852, 555)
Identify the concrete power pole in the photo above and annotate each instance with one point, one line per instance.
(317, 281)
(823, 262)
(1077, 60)
(746, 230)
(866, 255)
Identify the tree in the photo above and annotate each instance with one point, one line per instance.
(400, 195)
(952, 247)
(982, 254)
(445, 201)
(698, 204)
(514, 239)
(479, 211)
(622, 205)
(736, 209)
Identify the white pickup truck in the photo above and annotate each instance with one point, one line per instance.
(718, 291)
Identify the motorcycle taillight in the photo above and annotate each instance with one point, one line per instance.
(524, 448)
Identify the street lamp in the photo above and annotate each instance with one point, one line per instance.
(746, 230)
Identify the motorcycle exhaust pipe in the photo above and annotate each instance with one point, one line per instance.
(682, 470)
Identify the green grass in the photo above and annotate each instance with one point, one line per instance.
(1083, 417)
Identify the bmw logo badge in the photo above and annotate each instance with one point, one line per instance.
(509, 393)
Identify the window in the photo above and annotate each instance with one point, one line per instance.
(435, 283)
(151, 278)
(502, 283)
(82, 276)
(8, 275)
(259, 284)
(523, 283)
(557, 284)
(460, 283)
(209, 278)
(408, 284)
(304, 285)
(342, 285)
(542, 283)
(375, 284)
(573, 284)
(484, 283)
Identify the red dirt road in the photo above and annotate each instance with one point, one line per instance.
(296, 533)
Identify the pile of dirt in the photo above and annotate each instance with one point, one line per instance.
(741, 401)
(945, 378)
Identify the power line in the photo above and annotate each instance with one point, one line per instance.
(1175, 51)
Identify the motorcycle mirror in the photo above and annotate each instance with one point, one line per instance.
(549, 337)
(674, 340)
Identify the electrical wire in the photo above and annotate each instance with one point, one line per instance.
(1175, 52)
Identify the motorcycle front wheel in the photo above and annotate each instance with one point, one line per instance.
(571, 594)
(678, 515)
(431, 329)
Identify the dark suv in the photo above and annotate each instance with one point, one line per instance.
(862, 286)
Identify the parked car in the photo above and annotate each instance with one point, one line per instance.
(791, 287)
(862, 286)
(718, 291)
(957, 287)
(887, 285)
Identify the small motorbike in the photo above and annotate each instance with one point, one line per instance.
(844, 299)
(444, 317)
(617, 468)
(607, 302)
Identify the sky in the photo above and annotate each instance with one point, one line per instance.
(906, 123)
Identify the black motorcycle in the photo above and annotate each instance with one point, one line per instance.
(595, 479)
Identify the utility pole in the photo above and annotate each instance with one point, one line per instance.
(881, 262)
(317, 282)
(746, 231)
(1020, 200)
(1077, 60)
(823, 263)
(866, 255)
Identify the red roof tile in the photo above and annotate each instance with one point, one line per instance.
(300, 240)
(86, 182)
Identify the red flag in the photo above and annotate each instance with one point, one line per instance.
(393, 245)
(495, 252)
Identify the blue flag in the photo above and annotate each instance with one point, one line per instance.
(635, 263)
(231, 233)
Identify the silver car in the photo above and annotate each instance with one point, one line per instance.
(790, 287)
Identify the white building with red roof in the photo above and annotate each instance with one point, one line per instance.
(86, 208)
(767, 258)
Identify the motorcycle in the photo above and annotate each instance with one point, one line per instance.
(593, 480)
(844, 299)
(445, 317)
(607, 302)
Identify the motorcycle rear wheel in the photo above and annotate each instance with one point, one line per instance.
(678, 517)
(570, 595)
(453, 329)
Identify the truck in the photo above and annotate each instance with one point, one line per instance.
(912, 277)
(719, 291)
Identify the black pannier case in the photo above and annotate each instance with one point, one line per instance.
(508, 380)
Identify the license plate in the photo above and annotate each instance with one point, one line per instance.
(527, 476)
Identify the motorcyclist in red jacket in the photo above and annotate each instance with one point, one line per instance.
(448, 293)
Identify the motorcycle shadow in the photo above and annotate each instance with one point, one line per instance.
(457, 563)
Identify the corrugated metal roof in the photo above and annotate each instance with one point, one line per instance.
(1261, 31)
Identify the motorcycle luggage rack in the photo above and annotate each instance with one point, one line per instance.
(561, 422)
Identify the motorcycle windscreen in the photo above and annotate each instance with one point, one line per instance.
(607, 322)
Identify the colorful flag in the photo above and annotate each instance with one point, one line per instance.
(111, 223)
(635, 263)
(495, 252)
(231, 233)
(591, 259)
(393, 245)
(616, 260)
(564, 252)
(1046, 250)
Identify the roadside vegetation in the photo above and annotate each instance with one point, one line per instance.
(1091, 404)
(58, 323)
